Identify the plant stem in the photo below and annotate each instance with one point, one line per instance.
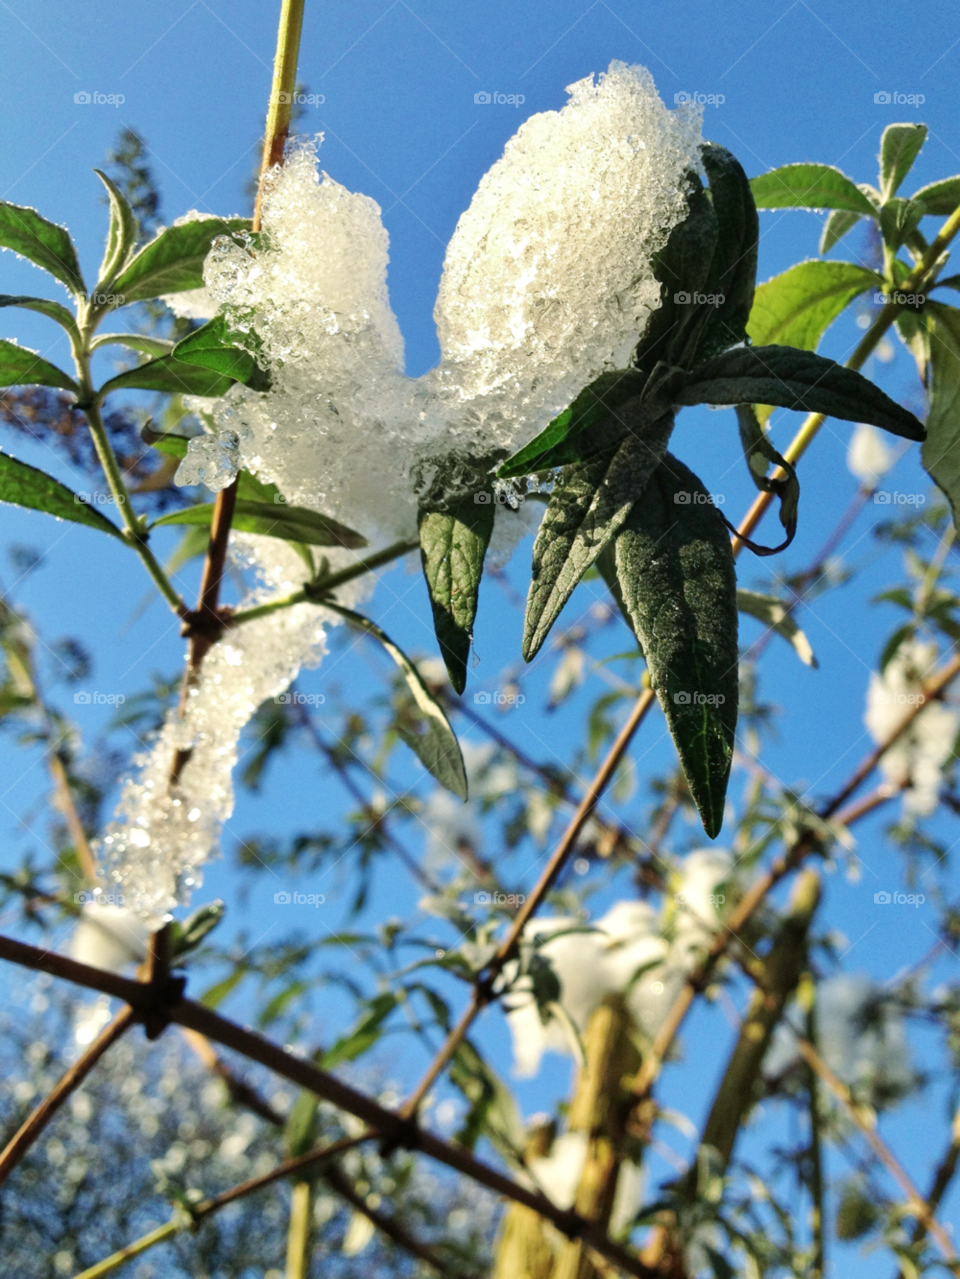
(816, 1153)
(298, 1231)
(281, 95)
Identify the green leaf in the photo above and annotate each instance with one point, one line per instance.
(121, 235)
(170, 376)
(434, 741)
(136, 342)
(454, 535)
(899, 220)
(838, 223)
(493, 1112)
(799, 380)
(899, 147)
(211, 347)
(364, 1034)
(24, 485)
(193, 544)
(675, 567)
(809, 186)
(776, 614)
(173, 260)
(589, 426)
(940, 198)
(733, 271)
(759, 452)
(53, 311)
(300, 1130)
(188, 935)
(587, 507)
(291, 523)
(941, 452)
(20, 366)
(31, 236)
(682, 267)
(797, 307)
(166, 442)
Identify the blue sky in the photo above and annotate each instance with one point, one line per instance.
(401, 123)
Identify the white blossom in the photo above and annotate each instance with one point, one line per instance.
(869, 457)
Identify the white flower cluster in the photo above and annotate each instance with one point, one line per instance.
(547, 282)
(869, 457)
(633, 948)
(916, 760)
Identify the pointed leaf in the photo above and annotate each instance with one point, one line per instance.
(20, 366)
(675, 567)
(211, 347)
(589, 426)
(838, 223)
(775, 613)
(797, 307)
(121, 235)
(292, 523)
(24, 485)
(733, 271)
(940, 198)
(899, 147)
(173, 260)
(941, 452)
(588, 505)
(809, 186)
(361, 1037)
(899, 220)
(454, 536)
(53, 310)
(798, 380)
(136, 342)
(435, 744)
(47, 245)
(170, 376)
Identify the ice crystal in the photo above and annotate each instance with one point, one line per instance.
(547, 282)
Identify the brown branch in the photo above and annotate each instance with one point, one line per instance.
(917, 1205)
(483, 991)
(34, 1125)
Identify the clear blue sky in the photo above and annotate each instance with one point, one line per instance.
(798, 81)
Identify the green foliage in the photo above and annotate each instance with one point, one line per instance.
(122, 235)
(45, 244)
(215, 346)
(173, 261)
(941, 452)
(797, 307)
(24, 485)
(20, 367)
(291, 523)
(810, 186)
(170, 376)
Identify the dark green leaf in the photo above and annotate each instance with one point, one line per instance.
(364, 1034)
(171, 376)
(797, 307)
(454, 535)
(27, 233)
(899, 147)
(940, 198)
(799, 380)
(493, 1112)
(759, 453)
(188, 935)
(211, 347)
(24, 485)
(173, 260)
(121, 236)
(589, 426)
(682, 267)
(809, 186)
(733, 271)
(838, 223)
(675, 567)
(22, 367)
(434, 742)
(292, 523)
(165, 442)
(136, 342)
(892, 646)
(941, 452)
(300, 1130)
(775, 613)
(53, 310)
(588, 505)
